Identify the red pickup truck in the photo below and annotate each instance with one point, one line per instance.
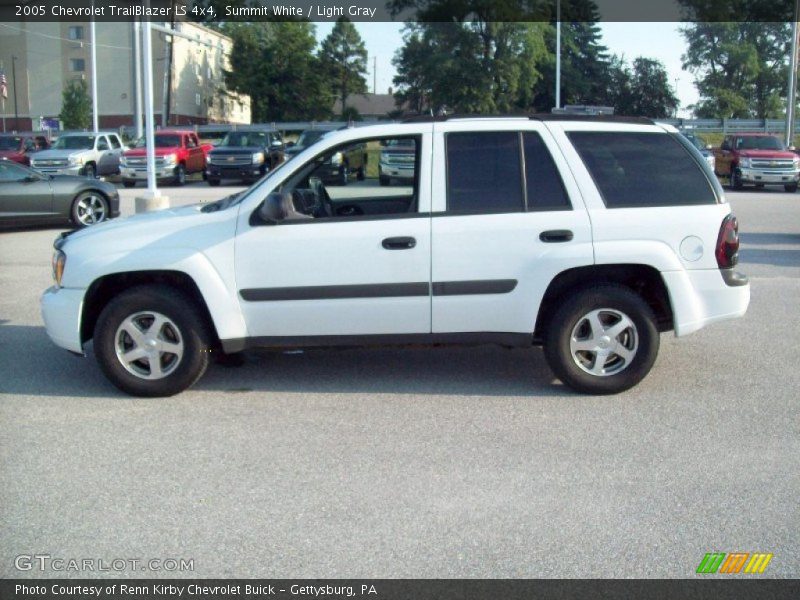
(757, 159)
(178, 153)
(19, 146)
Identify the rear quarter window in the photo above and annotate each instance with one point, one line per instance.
(638, 169)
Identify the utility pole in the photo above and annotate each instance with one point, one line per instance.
(137, 68)
(14, 77)
(790, 97)
(95, 118)
(374, 74)
(558, 53)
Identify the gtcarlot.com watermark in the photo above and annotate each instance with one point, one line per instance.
(46, 562)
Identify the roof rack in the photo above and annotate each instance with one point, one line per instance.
(534, 117)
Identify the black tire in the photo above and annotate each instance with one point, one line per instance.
(90, 171)
(343, 175)
(790, 187)
(736, 179)
(571, 313)
(180, 176)
(360, 175)
(213, 182)
(384, 180)
(129, 183)
(89, 208)
(192, 330)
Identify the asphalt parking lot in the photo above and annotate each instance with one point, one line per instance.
(466, 462)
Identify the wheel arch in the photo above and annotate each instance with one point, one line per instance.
(644, 280)
(104, 288)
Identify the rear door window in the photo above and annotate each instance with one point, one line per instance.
(638, 169)
(484, 173)
(544, 186)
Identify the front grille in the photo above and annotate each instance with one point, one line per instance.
(140, 162)
(398, 159)
(230, 160)
(785, 164)
(55, 163)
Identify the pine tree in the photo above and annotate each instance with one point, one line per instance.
(76, 106)
(344, 60)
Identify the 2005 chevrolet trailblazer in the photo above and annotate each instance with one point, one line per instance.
(587, 235)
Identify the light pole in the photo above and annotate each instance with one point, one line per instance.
(14, 77)
(558, 53)
(95, 119)
(790, 97)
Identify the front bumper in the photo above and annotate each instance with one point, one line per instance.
(61, 311)
(769, 175)
(234, 172)
(141, 174)
(75, 170)
(704, 296)
(397, 171)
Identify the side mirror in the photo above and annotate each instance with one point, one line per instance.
(272, 211)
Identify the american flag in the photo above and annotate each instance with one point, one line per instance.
(3, 84)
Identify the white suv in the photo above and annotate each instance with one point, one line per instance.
(590, 236)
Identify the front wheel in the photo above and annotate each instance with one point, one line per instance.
(152, 341)
(129, 183)
(213, 182)
(790, 187)
(89, 208)
(90, 171)
(180, 175)
(736, 179)
(603, 340)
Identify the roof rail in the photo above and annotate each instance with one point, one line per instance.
(533, 117)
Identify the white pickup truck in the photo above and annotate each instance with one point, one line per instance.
(590, 236)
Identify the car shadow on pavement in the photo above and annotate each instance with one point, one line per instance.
(34, 366)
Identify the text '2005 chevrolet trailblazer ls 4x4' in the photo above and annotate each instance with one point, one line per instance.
(588, 236)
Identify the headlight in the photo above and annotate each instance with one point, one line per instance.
(258, 158)
(123, 160)
(59, 261)
(796, 161)
(170, 159)
(336, 159)
(75, 160)
(744, 163)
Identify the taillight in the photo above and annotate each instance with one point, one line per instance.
(727, 251)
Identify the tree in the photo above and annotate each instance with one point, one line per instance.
(739, 67)
(470, 67)
(641, 91)
(343, 57)
(76, 106)
(274, 63)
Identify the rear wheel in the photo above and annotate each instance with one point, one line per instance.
(152, 341)
(360, 175)
(603, 340)
(89, 208)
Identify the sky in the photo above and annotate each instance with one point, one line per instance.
(661, 41)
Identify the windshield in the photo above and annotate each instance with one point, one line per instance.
(309, 137)
(162, 141)
(10, 143)
(75, 142)
(243, 139)
(762, 142)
